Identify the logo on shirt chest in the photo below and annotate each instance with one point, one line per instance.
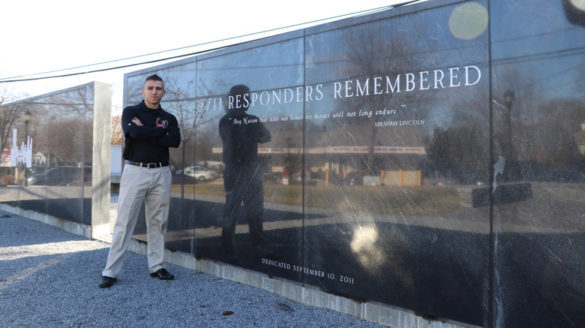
(160, 123)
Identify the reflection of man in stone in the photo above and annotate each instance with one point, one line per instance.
(241, 133)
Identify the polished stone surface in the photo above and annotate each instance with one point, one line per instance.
(420, 157)
(62, 129)
(538, 116)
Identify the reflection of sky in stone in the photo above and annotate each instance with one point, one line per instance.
(334, 56)
(181, 77)
(537, 46)
(410, 43)
(178, 78)
(418, 41)
(67, 105)
(273, 66)
(424, 40)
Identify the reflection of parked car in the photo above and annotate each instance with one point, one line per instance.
(201, 173)
(180, 178)
(61, 176)
(37, 169)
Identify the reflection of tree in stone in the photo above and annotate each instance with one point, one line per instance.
(181, 103)
(203, 150)
(205, 121)
(531, 134)
(286, 136)
(74, 126)
(458, 153)
(371, 55)
(192, 117)
(133, 90)
(515, 117)
(560, 133)
(62, 127)
(9, 115)
(69, 141)
(292, 161)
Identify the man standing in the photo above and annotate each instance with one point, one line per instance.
(149, 131)
(240, 133)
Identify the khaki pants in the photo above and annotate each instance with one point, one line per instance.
(138, 186)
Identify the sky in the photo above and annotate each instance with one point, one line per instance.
(41, 36)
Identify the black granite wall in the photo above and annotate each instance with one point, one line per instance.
(60, 128)
(429, 157)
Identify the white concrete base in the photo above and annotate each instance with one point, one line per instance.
(70, 226)
(372, 311)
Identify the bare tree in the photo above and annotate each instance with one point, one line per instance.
(194, 115)
(368, 56)
(10, 114)
(62, 126)
(179, 101)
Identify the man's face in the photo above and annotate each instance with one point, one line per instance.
(153, 92)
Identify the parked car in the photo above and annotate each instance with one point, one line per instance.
(201, 173)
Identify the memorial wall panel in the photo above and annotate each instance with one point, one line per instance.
(538, 115)
(394, 149)
(251, 132)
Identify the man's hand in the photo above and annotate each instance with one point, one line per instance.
(137, 121)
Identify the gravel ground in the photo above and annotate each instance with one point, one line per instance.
(49, 278)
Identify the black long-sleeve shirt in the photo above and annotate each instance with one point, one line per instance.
(241, 134)
(147, 143)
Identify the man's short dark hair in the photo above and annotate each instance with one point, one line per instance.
(154, 77)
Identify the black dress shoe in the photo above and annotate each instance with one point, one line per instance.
(107, 282)
(162, 274)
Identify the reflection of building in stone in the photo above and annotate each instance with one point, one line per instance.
(347, 155)
(5, 158)
(39, 159)
(391, 154)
